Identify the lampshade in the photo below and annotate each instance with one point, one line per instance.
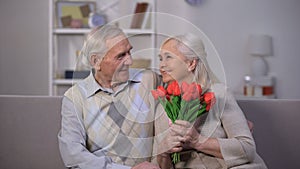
(260, 45)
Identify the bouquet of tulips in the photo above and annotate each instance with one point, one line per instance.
(185, 102)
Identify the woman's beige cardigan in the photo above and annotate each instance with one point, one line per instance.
(227, 123)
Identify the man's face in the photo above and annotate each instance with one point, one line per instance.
(116, 62)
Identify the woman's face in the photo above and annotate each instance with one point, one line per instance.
(173, 64)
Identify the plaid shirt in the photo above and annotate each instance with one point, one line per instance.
(106, 129)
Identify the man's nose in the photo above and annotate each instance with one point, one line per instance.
(128, 60)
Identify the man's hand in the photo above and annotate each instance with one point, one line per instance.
(146, 165)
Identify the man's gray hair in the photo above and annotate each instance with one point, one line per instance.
(95, 43)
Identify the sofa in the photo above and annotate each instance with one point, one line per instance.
(29, 127)
(28, 132)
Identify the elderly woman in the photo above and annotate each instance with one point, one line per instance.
(218, 139)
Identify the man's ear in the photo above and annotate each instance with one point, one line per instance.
(95, 62)
(192, 65)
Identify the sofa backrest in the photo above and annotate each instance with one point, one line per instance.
(28, 132)
(29, 127)
(276, 130)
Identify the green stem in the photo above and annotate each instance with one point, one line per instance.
(175, 158)
(193, 108)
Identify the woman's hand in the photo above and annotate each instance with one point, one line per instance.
(184, 135)
(190, 134)
(194, 140)
(173, 140)
(178, 134)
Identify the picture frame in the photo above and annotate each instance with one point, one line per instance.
(74, 14)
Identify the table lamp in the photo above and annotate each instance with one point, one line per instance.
(259, 47)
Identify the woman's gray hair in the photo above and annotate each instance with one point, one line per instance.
(192, 47)
(95, 43)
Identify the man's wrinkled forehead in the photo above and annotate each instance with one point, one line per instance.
(110, 43)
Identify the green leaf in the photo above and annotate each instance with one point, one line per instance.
(192, 112)
(198, 113)
(169, 111)
(184, 106)
(176, 103)
(202, 110)
(188, 106)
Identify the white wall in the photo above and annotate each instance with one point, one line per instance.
(24, 40)
(24, 47)
(228, 24)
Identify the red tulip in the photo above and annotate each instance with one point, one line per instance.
(187, 96)
(173, 89)
(184, 87)
(176, 91)
(209, 99)
(199, 89)
(190, 108)
(161, 88)
(155, 94)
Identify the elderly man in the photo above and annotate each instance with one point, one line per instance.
(107, 119)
